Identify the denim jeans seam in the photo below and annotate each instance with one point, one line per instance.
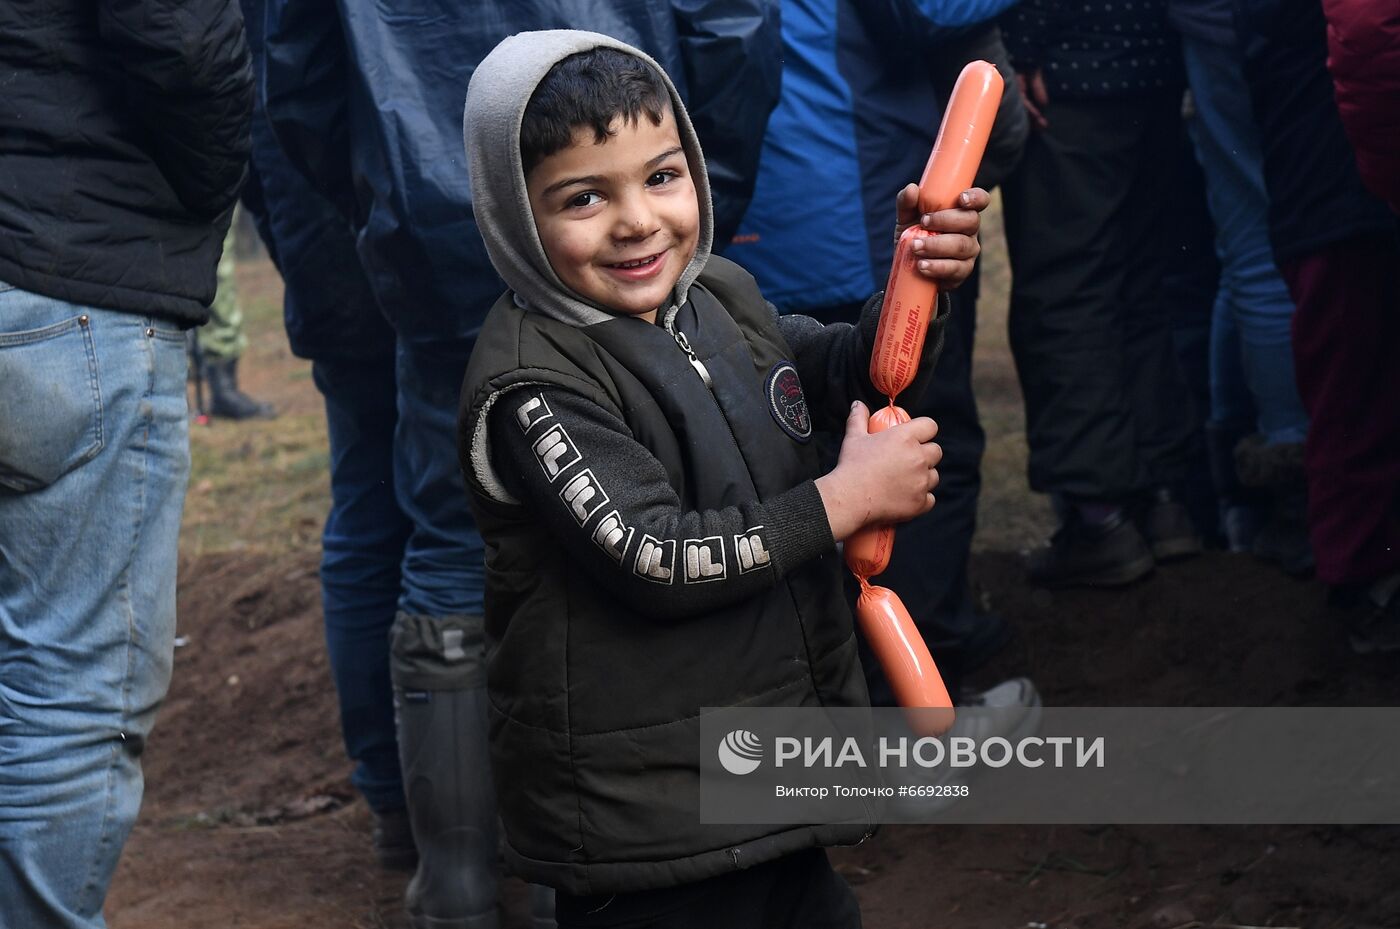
(92, 885)
(95, 381)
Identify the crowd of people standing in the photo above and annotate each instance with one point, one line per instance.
(133, 134)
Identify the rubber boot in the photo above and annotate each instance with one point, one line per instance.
(437, 665)
(542, 907)
(225, 399)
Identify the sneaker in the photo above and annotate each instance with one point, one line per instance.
(1379, 628)
(393, 841)
(1167, 528)
(1010, 710)
(1080, 554)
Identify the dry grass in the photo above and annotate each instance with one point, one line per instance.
(261, 485)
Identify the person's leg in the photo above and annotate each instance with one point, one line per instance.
(362, 549)
(94, 460)
(1162, 418)
(1345, 333)
(1067, 276)
(1164, 421)
(222, 343)
(437, 654)
(1067, 337)
(1227, 144)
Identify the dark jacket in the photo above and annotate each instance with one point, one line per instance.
(1316, 196)
(1095, 49)
(1210, 21)
(1363, 40)
(859, 111)
(123, 143)
(368, 106)
(597, 673)
(327, 305)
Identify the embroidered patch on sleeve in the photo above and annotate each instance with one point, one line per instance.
(704, 560)
(751, 550)
(656, 560)
(555, 452)
(532, 412)
(584, 495)
(613, 536)
(787, 402)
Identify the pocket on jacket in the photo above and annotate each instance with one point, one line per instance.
(50, 404)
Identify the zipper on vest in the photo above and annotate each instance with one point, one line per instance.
(695, 362)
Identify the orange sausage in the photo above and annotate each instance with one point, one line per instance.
(902, 654)
(962, 139)
(911, 299)
(868, 550)
(910, 302)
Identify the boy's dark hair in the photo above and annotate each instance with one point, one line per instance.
(590, 88)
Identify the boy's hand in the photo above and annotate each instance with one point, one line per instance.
(945, 258)
(883, 478)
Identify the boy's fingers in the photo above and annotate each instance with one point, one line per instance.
(959, 222)
(906, 206)
(947, 246)
(922, 428)
(858, 420)
(948, 273)
(974, 198)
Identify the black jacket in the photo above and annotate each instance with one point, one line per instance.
(123, 143)
(614, 615)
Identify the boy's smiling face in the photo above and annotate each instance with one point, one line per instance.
(618, 219)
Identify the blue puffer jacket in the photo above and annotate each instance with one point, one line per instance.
(366, 99)
(327, 305)
(856, 120)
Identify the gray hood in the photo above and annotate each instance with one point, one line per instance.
(496, 98)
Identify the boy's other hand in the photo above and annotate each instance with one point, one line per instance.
(947, 256)
(883, 478)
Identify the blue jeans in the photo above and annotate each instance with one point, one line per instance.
(94, 459)
(444, 572)
(1252, 375)
(362, 550)
(399, 536)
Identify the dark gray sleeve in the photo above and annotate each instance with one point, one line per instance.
(833, 361)
(607, 500)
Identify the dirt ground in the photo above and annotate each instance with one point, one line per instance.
(249, 819)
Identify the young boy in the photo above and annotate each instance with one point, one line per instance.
(635, 431)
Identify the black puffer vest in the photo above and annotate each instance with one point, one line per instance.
(595, 733)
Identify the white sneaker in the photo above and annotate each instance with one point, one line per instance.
(1014, 713)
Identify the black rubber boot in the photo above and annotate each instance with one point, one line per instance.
(225, 399)
(437, 664)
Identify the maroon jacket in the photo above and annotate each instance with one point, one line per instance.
(1363, 43)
